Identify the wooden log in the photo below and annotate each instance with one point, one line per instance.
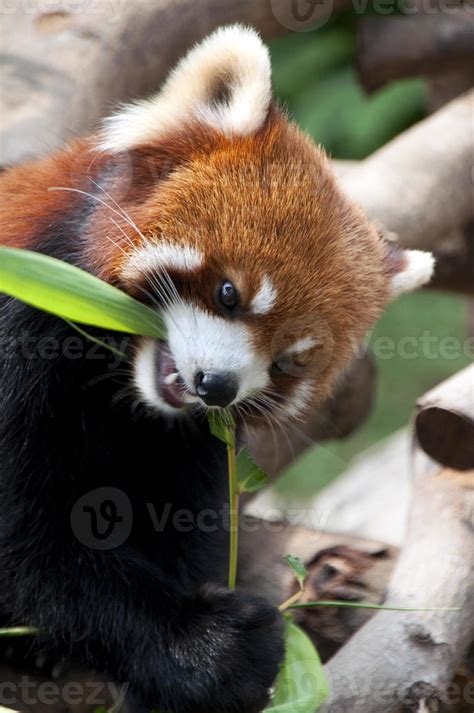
(444, 421)
(444, 86)
(333, 510)
(66, 67)
(381, 665)
(419, 185)
(455, 267)
(422, 44)
(344, 546)
(396, 650)
(453, 252)
(396, 659)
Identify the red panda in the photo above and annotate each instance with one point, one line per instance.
(206, 202)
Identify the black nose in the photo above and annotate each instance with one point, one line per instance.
(216, 388)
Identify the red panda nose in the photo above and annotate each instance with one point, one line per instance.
(216, 388)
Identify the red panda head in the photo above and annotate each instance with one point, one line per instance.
(267, 276)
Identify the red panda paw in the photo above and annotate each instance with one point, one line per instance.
(247, 649)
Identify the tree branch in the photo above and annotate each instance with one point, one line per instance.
(419, 185)
(384, 660)
(396, 47)
(444, 421)
(68, 68)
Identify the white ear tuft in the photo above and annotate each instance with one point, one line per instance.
(224, 82)
(417, 270)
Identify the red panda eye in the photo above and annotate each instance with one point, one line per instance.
(228, 295)
(291, 364)
(283, 365)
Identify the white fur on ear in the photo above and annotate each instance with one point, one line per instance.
(417, 270)
(225, 82)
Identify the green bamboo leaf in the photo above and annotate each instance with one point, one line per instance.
(18, 631)
(301, 684)
(222, 426)
(251, 478)
(73, 294)
(297, 567)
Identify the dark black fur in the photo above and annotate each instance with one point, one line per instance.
(152, 612)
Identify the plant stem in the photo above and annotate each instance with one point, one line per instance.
(294, 599)
(361, 605)
(234, 509)
(85, 334)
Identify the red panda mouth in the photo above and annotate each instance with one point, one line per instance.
(171, 386)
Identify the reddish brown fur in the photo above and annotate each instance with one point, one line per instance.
(26, 205)
(266, 203)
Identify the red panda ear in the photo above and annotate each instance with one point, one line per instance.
(224, 82)
(407, 269)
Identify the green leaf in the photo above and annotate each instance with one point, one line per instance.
(18, 631)
(73, 294)
(222, 426)
(299, 570)
(251, 478)
(301, 686)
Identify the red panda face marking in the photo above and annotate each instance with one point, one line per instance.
(302, 345)
(201, 348)
(265, 298)
(204, 342)
(156, 256)
(301, 399)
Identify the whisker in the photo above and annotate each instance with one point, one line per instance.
(125, 215)
(119, 247)
(92, 197)
(127, 237)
